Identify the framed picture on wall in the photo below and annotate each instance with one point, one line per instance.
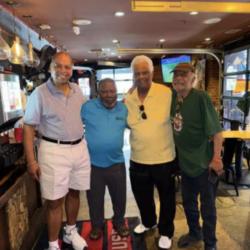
(200, 74)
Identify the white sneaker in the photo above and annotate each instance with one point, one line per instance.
(75, 239)
(140, 229)
(164, 242)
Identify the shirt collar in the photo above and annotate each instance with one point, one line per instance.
(54, 90)
(150, 93)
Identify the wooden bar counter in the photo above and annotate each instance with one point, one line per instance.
(22, 214)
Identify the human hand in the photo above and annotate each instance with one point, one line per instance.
(34, 171)
(131, 90)
(37, 134)
(217, 166)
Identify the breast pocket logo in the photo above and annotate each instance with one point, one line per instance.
(119, 118)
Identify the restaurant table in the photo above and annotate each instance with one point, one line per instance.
(239, 134)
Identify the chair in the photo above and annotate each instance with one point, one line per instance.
(246, 153)
(232, 146)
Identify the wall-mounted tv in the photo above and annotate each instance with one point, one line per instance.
(168, 64)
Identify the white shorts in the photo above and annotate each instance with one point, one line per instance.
(63, 167)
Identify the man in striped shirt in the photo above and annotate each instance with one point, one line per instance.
(63, 166)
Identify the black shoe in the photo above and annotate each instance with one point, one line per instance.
(122, 231)
(189, 239)
(210, 248)
(95, 233)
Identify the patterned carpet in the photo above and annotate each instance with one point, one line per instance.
(110, 240)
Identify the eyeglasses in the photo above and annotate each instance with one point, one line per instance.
(142, 112)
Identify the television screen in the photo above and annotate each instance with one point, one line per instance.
(236, 62)
(168, 64)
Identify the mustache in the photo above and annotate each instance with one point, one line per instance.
(177, 82)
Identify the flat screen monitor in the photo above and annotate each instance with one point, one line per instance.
(235, 62)
(168, 64)
(10, 98)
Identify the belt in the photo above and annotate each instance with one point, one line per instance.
(62, 142)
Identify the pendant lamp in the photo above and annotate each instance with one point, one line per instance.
(4, 48)
(32, 59)
(17, 55)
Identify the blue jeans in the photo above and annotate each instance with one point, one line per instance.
(191, 188)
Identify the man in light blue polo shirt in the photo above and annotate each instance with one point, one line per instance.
(63, 166)
(106, 120)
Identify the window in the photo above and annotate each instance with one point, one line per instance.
(85, 86)
(123, 78)
(236, 85)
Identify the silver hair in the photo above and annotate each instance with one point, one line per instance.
(142, 59)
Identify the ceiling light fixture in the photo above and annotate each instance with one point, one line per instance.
(212, 20)
(232, 31)
(119, 14)
(162, 40)
(45, 27)
(32, 58)
(207, 39)
(85, 60)
(115, 41)
(17, 55)
(76, 30)
(193, 13)
(4, 48)
(81, 22)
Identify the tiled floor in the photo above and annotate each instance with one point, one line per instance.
(233, 227)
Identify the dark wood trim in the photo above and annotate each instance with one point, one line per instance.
(19, 182)
(4, 235)
(36, 225)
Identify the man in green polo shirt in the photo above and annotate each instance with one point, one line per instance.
(198, 138)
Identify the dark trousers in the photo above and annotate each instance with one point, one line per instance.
(143, 178)
(191, 188)
(232, 146)
(114, 178)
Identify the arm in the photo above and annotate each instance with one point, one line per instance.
(216, 163)
(28, 141)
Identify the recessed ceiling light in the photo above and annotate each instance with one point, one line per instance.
(113, 53)
(115, 41)
(162, 40)
(119, 56)
(44, 27)
(233, 31)
(211, 20)
(193, 13)
(85, 60)
(207, 39)
(81, 22)
(119, 14)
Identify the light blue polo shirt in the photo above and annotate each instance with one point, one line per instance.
(57, 116)
(104, 132)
